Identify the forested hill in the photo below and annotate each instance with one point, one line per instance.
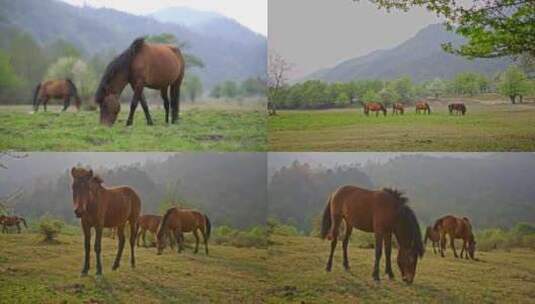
(494, 191)
(420, 57)
(101, 30)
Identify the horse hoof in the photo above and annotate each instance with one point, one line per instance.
(328, 268)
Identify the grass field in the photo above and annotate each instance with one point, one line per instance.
(33, 272)
(297, 275)
(204, 127)
(486, 127)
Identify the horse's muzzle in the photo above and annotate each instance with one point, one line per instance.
(78, 213)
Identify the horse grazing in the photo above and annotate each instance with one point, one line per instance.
(101, 207)
(382, 212)
(8, 221)
(179, 221)
(423, 106)
(456, 228)
(156, 66)
(398, 108)
(458, 107)
(434, 236)
(374, 107)
(56, 89)
(151, 223)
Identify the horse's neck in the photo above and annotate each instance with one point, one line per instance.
(118, 83)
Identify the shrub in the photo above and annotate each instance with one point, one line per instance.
(522, 235)
(50, 228)
(257, 237)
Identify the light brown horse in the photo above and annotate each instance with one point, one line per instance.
(456, 228)
(398, 108)
(149, 222)
(423, 106)
(56, 89)
(383, 212)
(458, 107)
(434, 236)
(180, 221)
(8, 221)
(101, 207)
(374, 107)
(156, 66)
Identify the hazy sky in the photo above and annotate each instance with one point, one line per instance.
(251, 13)
(314, 34)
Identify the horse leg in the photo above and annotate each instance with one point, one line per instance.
(335, 227)
(378, 253)
(388, 252)
(133, 107)
(163, 93)
(146, 110)
(205, 240)
(175, 101)
(66, 103)
(87, 248)
(462, 249)
(98, 242)
(196, 235)
(18, 228)
(139, 237)
(44, 103)
(178, 238)
(345, 244)
(133, 233)
(144, 231)
(120, 234)
(442, 244)
(452, 244)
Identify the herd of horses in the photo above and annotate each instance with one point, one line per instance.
(385, 213)
(142, 64)
(421, 107)
(99, 207)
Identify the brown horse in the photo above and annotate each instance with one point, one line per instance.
(434, 236)
(151, 223)
(458, 107)
(8, 221)
(101, 207)
(423, 106)
(56, 89)
(456, 228)
(374, 107)
(382, 212)
(180, 221)
(398, 108)
(156, 66)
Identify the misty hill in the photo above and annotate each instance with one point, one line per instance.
(100, 30)
(494, 191)
(421, 57)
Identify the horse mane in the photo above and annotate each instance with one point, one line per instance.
(408, 222)
(118, 64)
(164, 220)
(398, 195)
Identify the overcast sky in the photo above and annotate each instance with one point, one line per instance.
(251, 13)
(315, 34)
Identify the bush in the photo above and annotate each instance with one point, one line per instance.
(520, 236)
(50, 228)
(278, 228)
(257, 237)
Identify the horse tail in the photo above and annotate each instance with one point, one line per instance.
(208, 227)
(326, 220)
(74, 92)
(35, 94)
(24, 222)
(428, 108)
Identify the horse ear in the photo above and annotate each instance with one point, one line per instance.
(73, 170)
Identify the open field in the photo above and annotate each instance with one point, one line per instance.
(33, 272)
(297, 275)
(486, 127)
(201, 127)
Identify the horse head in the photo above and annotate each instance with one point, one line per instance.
(81, 190)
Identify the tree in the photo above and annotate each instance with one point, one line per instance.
(466, 83)
(229, 89)
(388, 95)
(370, 96)
(253, 87)
(277, 75)
(493, 28)
(27, 58)
(8, 78)
(192, 87)
(436, 87)
(216, 91)
(78, 71)
(513, 84)
(61, 48)
(403, 87)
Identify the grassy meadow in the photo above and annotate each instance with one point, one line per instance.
(297, 275)
(35, 272)
(202, 127)
(487, 126)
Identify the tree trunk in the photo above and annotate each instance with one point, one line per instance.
(521, 98)
(512, 97)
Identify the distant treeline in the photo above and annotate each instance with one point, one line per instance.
(315, 94)
(251, 87)
(493, 191)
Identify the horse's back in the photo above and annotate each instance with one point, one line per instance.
(160, 64)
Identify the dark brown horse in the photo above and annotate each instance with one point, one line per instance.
(456, 228)
(56, 89)
(374, 107)
(423, 106)
(180, 221)
(434, 236)
(149, 222)
(398, 108)
(458, 107)
(156, 66)
(383, 212)
(8, 221)
(101, 207)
